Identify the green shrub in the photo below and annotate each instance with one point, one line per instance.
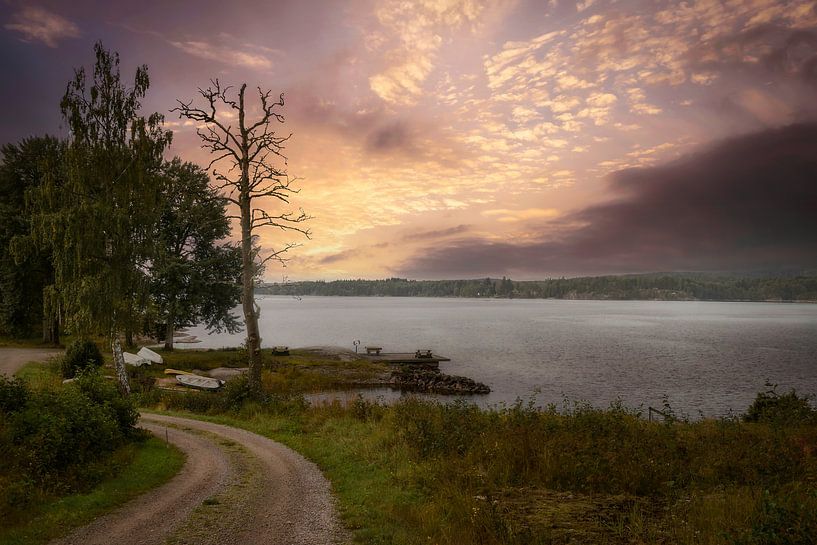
(783, 517)
(58, 430)
(782, 409)
(236, 392)
(13, 394)
(105, 394)
(79, 355)
(59, 439)
(141, 381)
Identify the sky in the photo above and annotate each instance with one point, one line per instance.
(469, 138)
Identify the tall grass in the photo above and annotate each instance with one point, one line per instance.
(424, 472)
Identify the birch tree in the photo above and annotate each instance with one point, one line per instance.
(98, 218)
(249, 166)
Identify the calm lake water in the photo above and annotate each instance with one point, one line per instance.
(706, 358)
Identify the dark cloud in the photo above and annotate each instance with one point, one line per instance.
(379, 130)
(770, 48)
(393, 136)
(340, 256)
(749, 203)
(439, 233)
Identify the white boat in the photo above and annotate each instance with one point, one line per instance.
(150, 355)
(133, 359)
(202, 383)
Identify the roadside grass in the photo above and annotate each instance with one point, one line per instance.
(420, 472)
(142, 466)
(40, 375)
(32, 342)
(300, 372)
(423, 472)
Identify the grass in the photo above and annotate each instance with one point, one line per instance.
(300, 372)
(32, 342)
(144, 466)
(419, 472)
(41, 375)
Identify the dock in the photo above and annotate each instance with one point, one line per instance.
(407, 358)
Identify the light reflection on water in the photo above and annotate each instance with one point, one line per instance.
(706, 358)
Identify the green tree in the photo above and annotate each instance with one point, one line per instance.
(25, 269)
(196, 275)
(98, 218)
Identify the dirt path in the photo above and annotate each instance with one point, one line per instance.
(257, 491)
(12, 359)
(150, 518)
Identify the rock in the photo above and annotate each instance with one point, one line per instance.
(432, 381)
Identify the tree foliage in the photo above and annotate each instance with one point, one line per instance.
(97, 218)
(25, 269)
(195, 274)
(669, 287)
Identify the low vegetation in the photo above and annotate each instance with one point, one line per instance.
(80, 355)
(70, 451)
(424, 472)
(135, 469)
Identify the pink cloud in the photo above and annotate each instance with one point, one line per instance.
(38, 24)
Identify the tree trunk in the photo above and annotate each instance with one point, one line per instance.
(169, 336)
(46, 328)
(55, 329)
(119, 363)
(248, 298)
(171, 326)
(51, 326)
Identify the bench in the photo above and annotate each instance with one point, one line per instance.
(373, 350)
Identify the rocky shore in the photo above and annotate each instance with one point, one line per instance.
(433, 381)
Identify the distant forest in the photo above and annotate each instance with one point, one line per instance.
(662, 287)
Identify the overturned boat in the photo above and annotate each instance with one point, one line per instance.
(150, 355)
(134, 359)
(199, 382)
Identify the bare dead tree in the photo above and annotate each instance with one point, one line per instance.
(243, 164)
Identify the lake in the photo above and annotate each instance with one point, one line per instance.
(706, 358)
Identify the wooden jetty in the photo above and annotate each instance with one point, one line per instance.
(424, 358)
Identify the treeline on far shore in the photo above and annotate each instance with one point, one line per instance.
(663, 287)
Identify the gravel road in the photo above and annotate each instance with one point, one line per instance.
(12, 359)
(289, 503)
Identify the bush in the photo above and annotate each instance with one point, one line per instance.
(80, 354)
(58, 430)
(141, 381)
(105, 394)
(782, 409)
(59, 440)
(13, 394)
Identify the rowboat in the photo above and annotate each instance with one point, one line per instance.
(150, 355)
(133, 359)
(202, 383)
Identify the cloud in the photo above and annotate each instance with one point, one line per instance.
(339, 256)
(38, 24)
(506, 215)
(748, 203)
(226, 54)
(393, 136)
(438, 233)
(418, 28)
